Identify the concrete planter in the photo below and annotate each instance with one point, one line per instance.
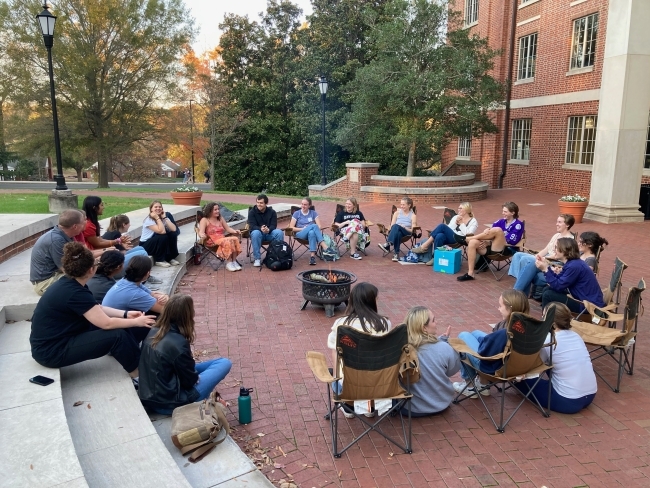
(577, 209)
(186, 197)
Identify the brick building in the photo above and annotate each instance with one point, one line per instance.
(580, 100)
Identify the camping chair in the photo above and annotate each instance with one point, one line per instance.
(201, 250)
(407, 241)
(342, 245)
(296, 243)
(611, 297)
(246, 234)
(521, 360)
(612, 342)
(497, 262)
(374, 367)
(447, 215)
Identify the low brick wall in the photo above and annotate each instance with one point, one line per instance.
(452, 198)
(447, 181)
(20, 246)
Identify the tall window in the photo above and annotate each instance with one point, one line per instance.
(465, 145)
(527, 55)
(646, 161)
(583, 46)
(520, 146)
(581, 139)
(471, 11)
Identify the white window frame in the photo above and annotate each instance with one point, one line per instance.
(646, 160)
(583, 43)
(520, 140)
(465, 147)
(581, 140)
(527, 57)
(471, 12)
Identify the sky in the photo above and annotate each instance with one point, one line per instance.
(209, 14)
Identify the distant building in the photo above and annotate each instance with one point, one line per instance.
(170, 169)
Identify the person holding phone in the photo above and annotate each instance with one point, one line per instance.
(61, 332)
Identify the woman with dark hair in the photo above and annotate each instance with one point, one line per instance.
(401, 225)
(170, 378)
(438, 362)
(212, 229)
(504, 232)
(523, 264)
(160, 236)
(93, 206)
(110, 264)
(351, 224)
(573, 382)
(307, 223)
(66, 319)
(575, 277)
(589, 244)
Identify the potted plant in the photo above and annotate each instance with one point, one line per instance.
(186, 195)
(574, 205)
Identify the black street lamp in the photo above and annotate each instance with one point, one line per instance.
(322, 85)
(47, 21)
(192, 142)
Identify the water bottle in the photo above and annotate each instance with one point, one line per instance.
(244, 403)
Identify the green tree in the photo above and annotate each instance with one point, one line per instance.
(429, 82)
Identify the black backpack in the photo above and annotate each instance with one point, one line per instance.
(279, 256)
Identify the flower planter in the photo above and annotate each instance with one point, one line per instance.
(577, 209)
(186, 197)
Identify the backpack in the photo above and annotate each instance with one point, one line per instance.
(279, 256)
(332, 251)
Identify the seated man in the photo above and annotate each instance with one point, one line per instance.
(45, 266)
(263, 223)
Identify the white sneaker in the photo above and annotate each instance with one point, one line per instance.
(469, 391)
(163, 264)
(231, 267)
(257, 263)
(237, 266)
(173, 262)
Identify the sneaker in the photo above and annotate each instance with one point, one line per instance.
(356, 256)
(370, 414)
(163, 264)
(470, 391)
(152, 280)
(231, 267)
(348, 411)
(312, 261)
(257, 263)
(429, 262)
(384, 247)
(173, 262)
(465, 277)
(136, 383)
(395, 257)
(237, 266)
(419, 250)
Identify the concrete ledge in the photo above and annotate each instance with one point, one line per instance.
(362, 165)
(475, 188)
(16, 227)
(423, 179)
(329, 185)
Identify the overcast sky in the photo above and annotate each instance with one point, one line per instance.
(209, 14)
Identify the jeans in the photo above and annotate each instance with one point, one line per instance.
(473, 341)
(528, 273)
(313, 234)
(551, 295)
(442, 235)
(258, 237)
(397, 232)
(558, 403)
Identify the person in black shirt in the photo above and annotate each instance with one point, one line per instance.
(352, 226)
(263, 223)
(110, 265)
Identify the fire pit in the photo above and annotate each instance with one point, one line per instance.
(325, 287)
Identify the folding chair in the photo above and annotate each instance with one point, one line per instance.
(201, 250)
(447, 215)
(246, 234)
(342, 245)
(407, 241)
(618, 344)
(374, 367)
(497, 262)
(521, 360)
(296, 243)
(611, 297)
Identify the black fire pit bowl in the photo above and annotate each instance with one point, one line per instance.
(329, 295)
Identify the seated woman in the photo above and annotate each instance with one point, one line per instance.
(459, 226)
(212, 228)
(308, 225)
(69, 327)
(438, 362)
(589, 243)
(504, 232)
(573, 382)
(352, 226)
(110, 265)
(169, 376)
(490, 344)
(401, 225)
(575, 276)
(523, 264)
(361, 314)
(160, 236)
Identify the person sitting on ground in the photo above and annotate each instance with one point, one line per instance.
(263, 223)
(67, 318)
(111, 263)
(504, 232)
(489, 344)
(523, 266)
(352, 226)
(307, 224)
(575, 276)
(160, 236)
(460, 225)
(45, 264)
(573, 382)
(401, 225)
(130, 293)
(361, 314)
(169, 376)
(438, 362)
(212, 229)
(589, 243)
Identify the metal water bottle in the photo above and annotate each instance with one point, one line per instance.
(244, 403)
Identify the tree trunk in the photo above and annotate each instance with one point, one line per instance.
(411, 162)
(79, 174)
(102, 167)
(2, 136)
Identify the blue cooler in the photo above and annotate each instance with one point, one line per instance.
(447, 261)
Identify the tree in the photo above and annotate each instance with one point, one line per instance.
(114, 61)
(428, 83)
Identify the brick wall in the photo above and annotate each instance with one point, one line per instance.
(20, 246)
(450, 199)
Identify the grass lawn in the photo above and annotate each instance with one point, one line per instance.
(34, 203)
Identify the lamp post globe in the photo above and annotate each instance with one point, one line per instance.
(322, 86)
(47, 21)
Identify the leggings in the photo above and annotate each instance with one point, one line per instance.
(559, 403)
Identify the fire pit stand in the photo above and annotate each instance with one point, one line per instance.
(325, 287)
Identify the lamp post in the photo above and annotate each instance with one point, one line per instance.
(192, 141)
(322, 85)
(47, 21)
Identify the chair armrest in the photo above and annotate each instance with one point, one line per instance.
(318, 365)
(289, 231)
(459, 346)
(369, 223)
(382, 229)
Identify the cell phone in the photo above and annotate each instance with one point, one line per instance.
(41, 380)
